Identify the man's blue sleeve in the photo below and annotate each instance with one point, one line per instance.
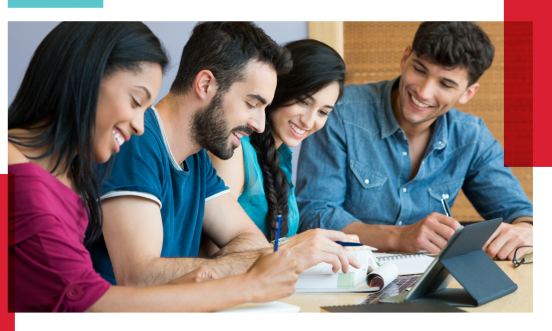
(215, 184)
(138, 167)
(321, 178)
(490, 186)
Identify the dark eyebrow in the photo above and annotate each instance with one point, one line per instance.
(420, 64)
(314, 100)
(145, 89)
(443, 78)
(450, 81)
(258, 97)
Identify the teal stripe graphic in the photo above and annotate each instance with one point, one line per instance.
(55, 3)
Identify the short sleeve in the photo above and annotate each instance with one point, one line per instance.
(214, 184)
(138, 166)
(55, 273)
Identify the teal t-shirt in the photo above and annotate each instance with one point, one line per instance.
(253, 198)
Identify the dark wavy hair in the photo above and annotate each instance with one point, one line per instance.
(225, 48)
(315, 66)
(455, 44)
(58, 96)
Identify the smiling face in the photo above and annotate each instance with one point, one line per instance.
(123, 98)
(237, 113)
(293, 123)
(428, 90)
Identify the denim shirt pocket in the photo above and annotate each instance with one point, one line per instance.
(365, 190)
(450, 190)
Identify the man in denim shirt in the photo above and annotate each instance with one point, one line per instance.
(391, 150)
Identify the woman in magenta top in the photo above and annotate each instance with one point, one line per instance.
(84, 94)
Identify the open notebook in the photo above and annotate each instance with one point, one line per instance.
(381, 266)
(408, 264)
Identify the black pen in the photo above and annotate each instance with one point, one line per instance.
(446, 206)
(345, 243)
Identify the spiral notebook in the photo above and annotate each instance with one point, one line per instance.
(408, 264)
(321, 279)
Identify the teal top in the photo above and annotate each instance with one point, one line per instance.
(253, 198)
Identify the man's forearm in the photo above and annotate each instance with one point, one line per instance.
(233, 259)
(243, 243)
(162, 270)
(238, 255)
(385, 238)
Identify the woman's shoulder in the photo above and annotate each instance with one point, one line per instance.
(232, 171)
(14, 155)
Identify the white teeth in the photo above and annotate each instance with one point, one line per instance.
(296, 129)
(118, 137)
(418, 103)
(239, 135)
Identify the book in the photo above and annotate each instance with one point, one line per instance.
(321, 279)
(378, 269)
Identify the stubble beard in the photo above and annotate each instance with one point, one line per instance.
(210, 129)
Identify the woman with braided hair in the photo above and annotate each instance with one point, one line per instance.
(259, 172)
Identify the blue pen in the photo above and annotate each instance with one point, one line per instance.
(345, 243)
(278, 233)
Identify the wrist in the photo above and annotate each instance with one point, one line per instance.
(245, 287)
(524, 221)
(395, 238)
(524, 224)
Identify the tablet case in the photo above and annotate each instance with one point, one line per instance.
(406, 307)
(464, 259)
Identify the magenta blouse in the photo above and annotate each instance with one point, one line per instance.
(51, 269)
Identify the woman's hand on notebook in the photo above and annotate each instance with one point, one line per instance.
(272, 276)
(353, 238)
(318, 245)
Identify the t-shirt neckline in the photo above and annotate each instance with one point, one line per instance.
(175, 164)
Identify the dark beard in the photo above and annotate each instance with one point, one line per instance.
(210, 129)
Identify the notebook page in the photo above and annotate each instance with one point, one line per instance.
(408, 264)
(360, 288)
(388, 271)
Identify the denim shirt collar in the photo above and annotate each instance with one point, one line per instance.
(389, 124)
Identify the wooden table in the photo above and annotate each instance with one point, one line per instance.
(519, 301)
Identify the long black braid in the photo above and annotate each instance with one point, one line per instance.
(315, 66)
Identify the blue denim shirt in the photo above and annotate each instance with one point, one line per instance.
(357, 167)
